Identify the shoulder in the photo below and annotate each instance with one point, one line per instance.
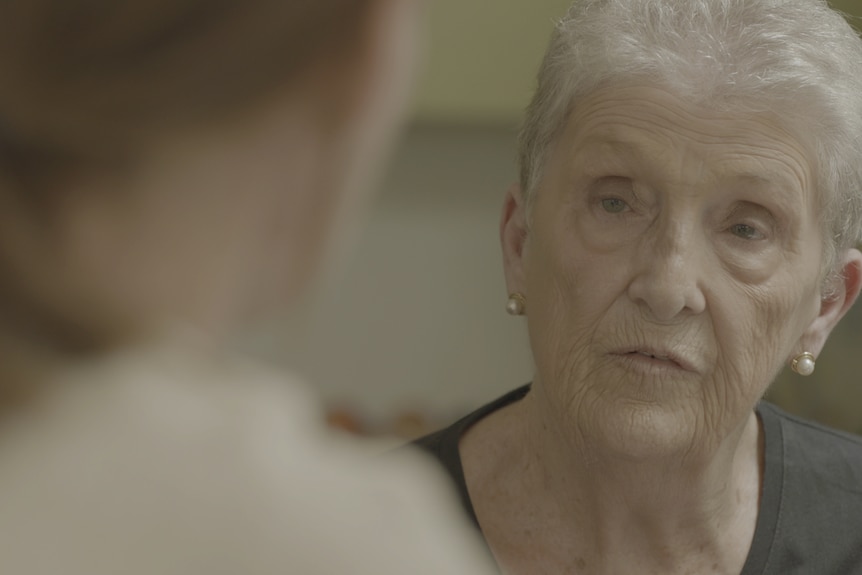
(812, 497)
(833, 456)
(440, 442)
(180, 466)
(443, 444)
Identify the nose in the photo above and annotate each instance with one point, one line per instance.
(667, 272)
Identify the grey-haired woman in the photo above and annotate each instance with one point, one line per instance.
(685, 225)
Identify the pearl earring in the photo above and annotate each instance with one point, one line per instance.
(803, 364)
(517, 304)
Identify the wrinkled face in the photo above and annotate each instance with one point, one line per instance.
(671, 268)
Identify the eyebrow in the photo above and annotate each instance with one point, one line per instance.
(772, 181)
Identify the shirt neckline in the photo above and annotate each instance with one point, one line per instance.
(769, 511)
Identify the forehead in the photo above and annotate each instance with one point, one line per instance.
(655, 129)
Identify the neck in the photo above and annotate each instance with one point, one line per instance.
(34, 350)
(612, 513)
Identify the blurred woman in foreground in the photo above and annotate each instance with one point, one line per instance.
(169, 169)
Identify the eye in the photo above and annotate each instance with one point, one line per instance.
(746, 232)
(614, 205)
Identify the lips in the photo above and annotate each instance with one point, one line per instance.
(671, 358)
(654, 356)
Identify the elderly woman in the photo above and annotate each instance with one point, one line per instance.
(168, 170)
(684, 227)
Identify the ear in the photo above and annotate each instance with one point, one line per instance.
(833, 308)
(513, 239)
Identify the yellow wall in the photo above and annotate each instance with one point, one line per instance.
(483, 56)
(851, 7)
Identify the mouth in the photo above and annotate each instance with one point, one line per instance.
(656, 357)
(652, 355)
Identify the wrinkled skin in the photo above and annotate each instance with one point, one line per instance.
(662, 228)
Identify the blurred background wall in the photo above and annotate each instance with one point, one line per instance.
(413, 331)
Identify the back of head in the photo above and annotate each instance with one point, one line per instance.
(121, 121)
(795, 58)
(84, 79)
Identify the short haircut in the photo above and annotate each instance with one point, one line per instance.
(799, 57)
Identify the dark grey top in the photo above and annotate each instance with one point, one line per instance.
(810, 517)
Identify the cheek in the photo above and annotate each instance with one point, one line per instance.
(566, 308)
(553, 293)
(756, 329)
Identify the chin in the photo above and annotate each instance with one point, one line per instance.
(646, 431)
(643, 418)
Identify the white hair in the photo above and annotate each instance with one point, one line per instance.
(798, 57)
